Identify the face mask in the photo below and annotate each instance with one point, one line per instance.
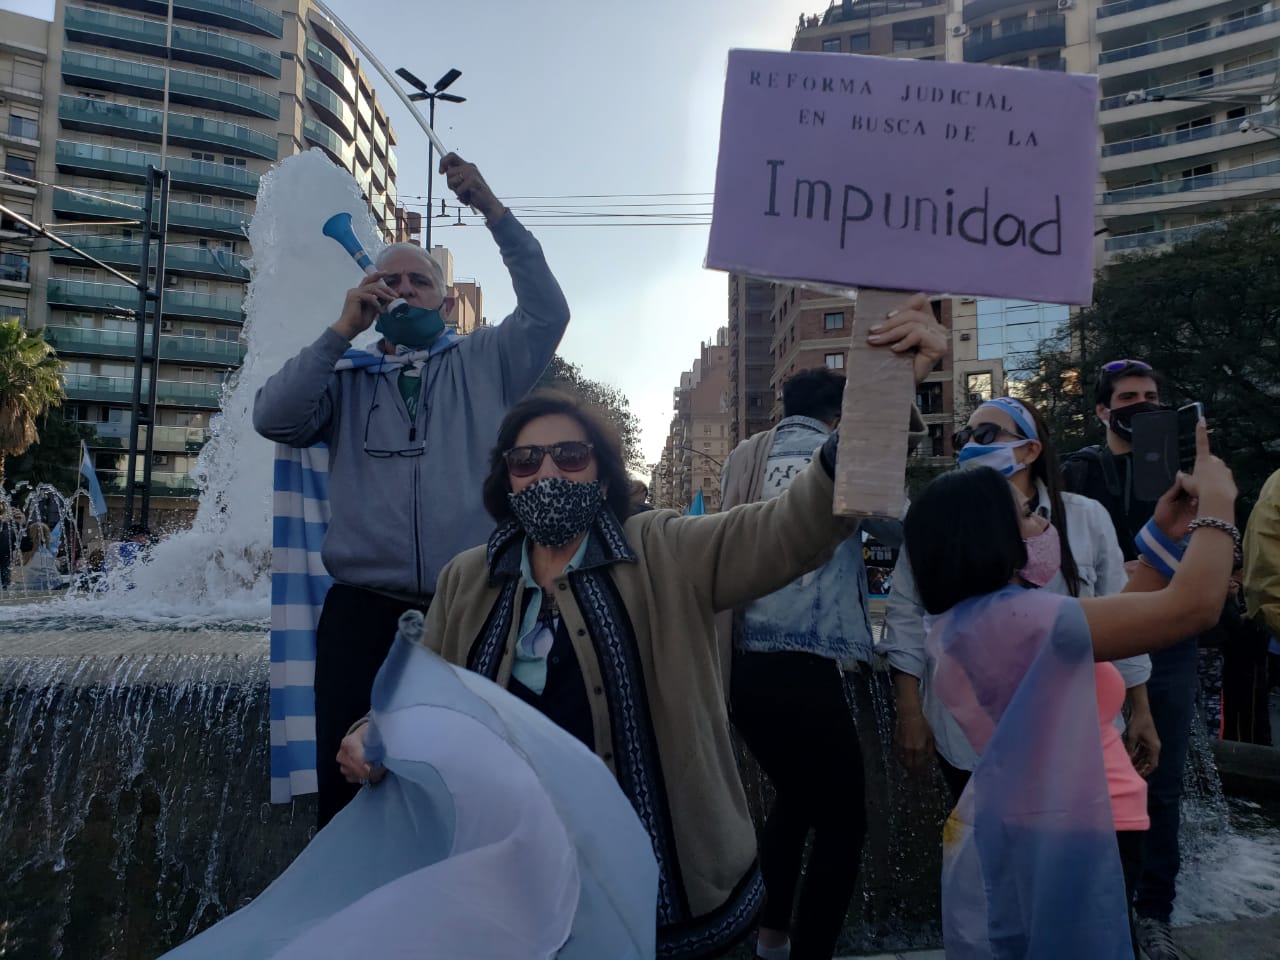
(554, 511)
(412, 327)
(1121, 422)
(1044, 557)
(997, 456)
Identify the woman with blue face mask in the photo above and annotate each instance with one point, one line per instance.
(1071, 551)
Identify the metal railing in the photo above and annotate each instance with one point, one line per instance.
(145, 79)
(1190, 38)
(1268, 168)
(1199, 86)
(1156, 141)
(1156, 238)
(183, 128)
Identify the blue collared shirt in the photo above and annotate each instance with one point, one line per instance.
(536, 637)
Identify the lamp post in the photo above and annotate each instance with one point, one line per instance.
(425, 93)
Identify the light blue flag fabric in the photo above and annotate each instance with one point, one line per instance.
(698, 507)
(495, 835)
(1031, 867)
(97, 504)
(299, 582)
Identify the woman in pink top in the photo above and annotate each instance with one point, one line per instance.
(1031, 865)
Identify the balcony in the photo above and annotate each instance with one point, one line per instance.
(97, 389)
(1238, 177)
(1198, 86)
(191, 44)
(115, 163)
(1157, 238)
(1191, 38)
(1016, 36)
(1126, 6)
(232, 14)
(332, 109)
(329, 140)
(196, 217)
(365, 113)
(228, 53)
(87, 295)
(123, 343)
(332, 70)
(145, 80)
(1174, 139)
(114, 435)
(975, 10)
(198, 261)
(99, 116)
(162, 484)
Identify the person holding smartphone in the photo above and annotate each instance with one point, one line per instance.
(1126, 388)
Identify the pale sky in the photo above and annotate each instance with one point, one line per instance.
(566, 97)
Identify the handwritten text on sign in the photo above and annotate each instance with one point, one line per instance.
(908, 175)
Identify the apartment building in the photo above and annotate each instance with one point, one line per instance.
(1187, 118)
(243, 85)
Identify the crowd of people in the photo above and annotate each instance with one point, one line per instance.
(1038, 622)
(36, 554)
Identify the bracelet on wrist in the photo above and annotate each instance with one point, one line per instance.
(1227, 527)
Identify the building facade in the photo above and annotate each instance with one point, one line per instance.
(750, 352)
(244, 85)
(698, 440)
(23, 55)
(1187, 119)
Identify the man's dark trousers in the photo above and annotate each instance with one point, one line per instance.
(355, 632)
(1171, 691)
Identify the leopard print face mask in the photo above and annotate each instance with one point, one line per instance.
(554, 511)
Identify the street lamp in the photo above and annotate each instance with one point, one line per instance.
(425, 93)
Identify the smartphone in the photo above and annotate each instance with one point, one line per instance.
(1188, 417)
(1155, 453)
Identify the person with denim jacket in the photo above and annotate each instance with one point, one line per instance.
(787, 689)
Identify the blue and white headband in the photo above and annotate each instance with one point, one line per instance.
(1017, 413)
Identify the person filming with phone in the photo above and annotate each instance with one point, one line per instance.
(1127, 390)
(408, 426)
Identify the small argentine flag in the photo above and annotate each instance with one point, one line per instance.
(97, 505)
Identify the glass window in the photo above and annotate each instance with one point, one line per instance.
(834, 361)
(913, 34)
(929, 398)
(831, 45)
(832, 321)
(23, 166)
(978, 387)
(859, 41)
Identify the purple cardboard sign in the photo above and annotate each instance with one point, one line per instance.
(907, 175)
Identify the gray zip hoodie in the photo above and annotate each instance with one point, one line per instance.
(396, 521)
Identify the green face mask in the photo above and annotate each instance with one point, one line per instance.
(412, 327)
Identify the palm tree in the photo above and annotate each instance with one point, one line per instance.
(30, 383)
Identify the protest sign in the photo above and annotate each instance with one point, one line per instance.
(907, 175)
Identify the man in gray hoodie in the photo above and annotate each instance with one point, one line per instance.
(409, 430)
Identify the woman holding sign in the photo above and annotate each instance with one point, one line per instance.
(1031, 865)
(603, 621)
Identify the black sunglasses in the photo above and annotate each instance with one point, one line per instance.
(1115, 366)
(571, 456)
(982, 433)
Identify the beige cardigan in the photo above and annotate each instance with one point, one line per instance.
(680, 571)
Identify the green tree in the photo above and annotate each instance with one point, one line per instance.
(55, 457)
(1206, 315)
(612, 402)
(30, 383)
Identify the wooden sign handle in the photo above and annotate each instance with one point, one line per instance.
(872, 464)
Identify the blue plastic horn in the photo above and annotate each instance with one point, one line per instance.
(338, 227)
